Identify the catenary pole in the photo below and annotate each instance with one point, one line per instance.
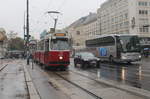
(27, 27)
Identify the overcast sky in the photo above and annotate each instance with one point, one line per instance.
(12, 13)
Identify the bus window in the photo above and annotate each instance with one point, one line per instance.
(106, 41)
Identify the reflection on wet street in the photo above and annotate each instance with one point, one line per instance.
(122, 74)
(137, 75)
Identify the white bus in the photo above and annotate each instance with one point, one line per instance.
(115, 47)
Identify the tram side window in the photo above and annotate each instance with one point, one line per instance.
(47, 45)
(41, 45)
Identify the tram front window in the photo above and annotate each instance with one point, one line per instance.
(60, 44)
(129, 43)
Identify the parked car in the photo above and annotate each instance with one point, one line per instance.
(1, 57)
(85, 59)
(146, 52)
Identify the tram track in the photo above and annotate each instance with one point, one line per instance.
(88, 77)
(71, 80)
(55, 80)
(60, 75)
(78, 86)
(3, 67)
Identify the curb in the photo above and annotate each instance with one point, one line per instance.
(33, 93)
(133, 90)
(136, 91)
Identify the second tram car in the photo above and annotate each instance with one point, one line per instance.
(54, 51)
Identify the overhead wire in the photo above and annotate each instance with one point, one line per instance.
(62, 5)
(39, 21)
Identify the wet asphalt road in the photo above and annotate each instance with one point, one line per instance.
(51, 86)
(135, 74)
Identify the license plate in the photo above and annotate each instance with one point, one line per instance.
(78, 65)
(93, 62)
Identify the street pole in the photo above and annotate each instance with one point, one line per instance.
(27, 32)
(24, 34)
(24, 27)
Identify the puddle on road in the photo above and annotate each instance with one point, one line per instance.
(53, 85)
(126, 74)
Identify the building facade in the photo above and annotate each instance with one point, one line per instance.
(124, 17)
(83, 29)
(90, 26)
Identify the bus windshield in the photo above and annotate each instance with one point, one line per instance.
(60, 44)
(129, 43)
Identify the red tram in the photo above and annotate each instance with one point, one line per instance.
(54, 51)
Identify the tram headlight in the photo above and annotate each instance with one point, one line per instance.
(60, 57)
(140, 56)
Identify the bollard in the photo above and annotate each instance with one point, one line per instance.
(32, 66)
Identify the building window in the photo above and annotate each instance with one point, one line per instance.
(143, 12)
(126, 23)
(126, 15)
(144, 29)
(139, 3)
(143, 3)
(78, 44)
(140, 12)
(144, 21)
(78, 32)
(146, 12)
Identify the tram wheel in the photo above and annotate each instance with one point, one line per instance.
(129, 63)
(75, 65)
(84, 65)
(63, 68)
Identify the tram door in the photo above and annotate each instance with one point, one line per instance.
(46, 56)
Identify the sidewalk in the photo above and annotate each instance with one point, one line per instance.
(19, 81)
(42, 85)
(12, 81)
